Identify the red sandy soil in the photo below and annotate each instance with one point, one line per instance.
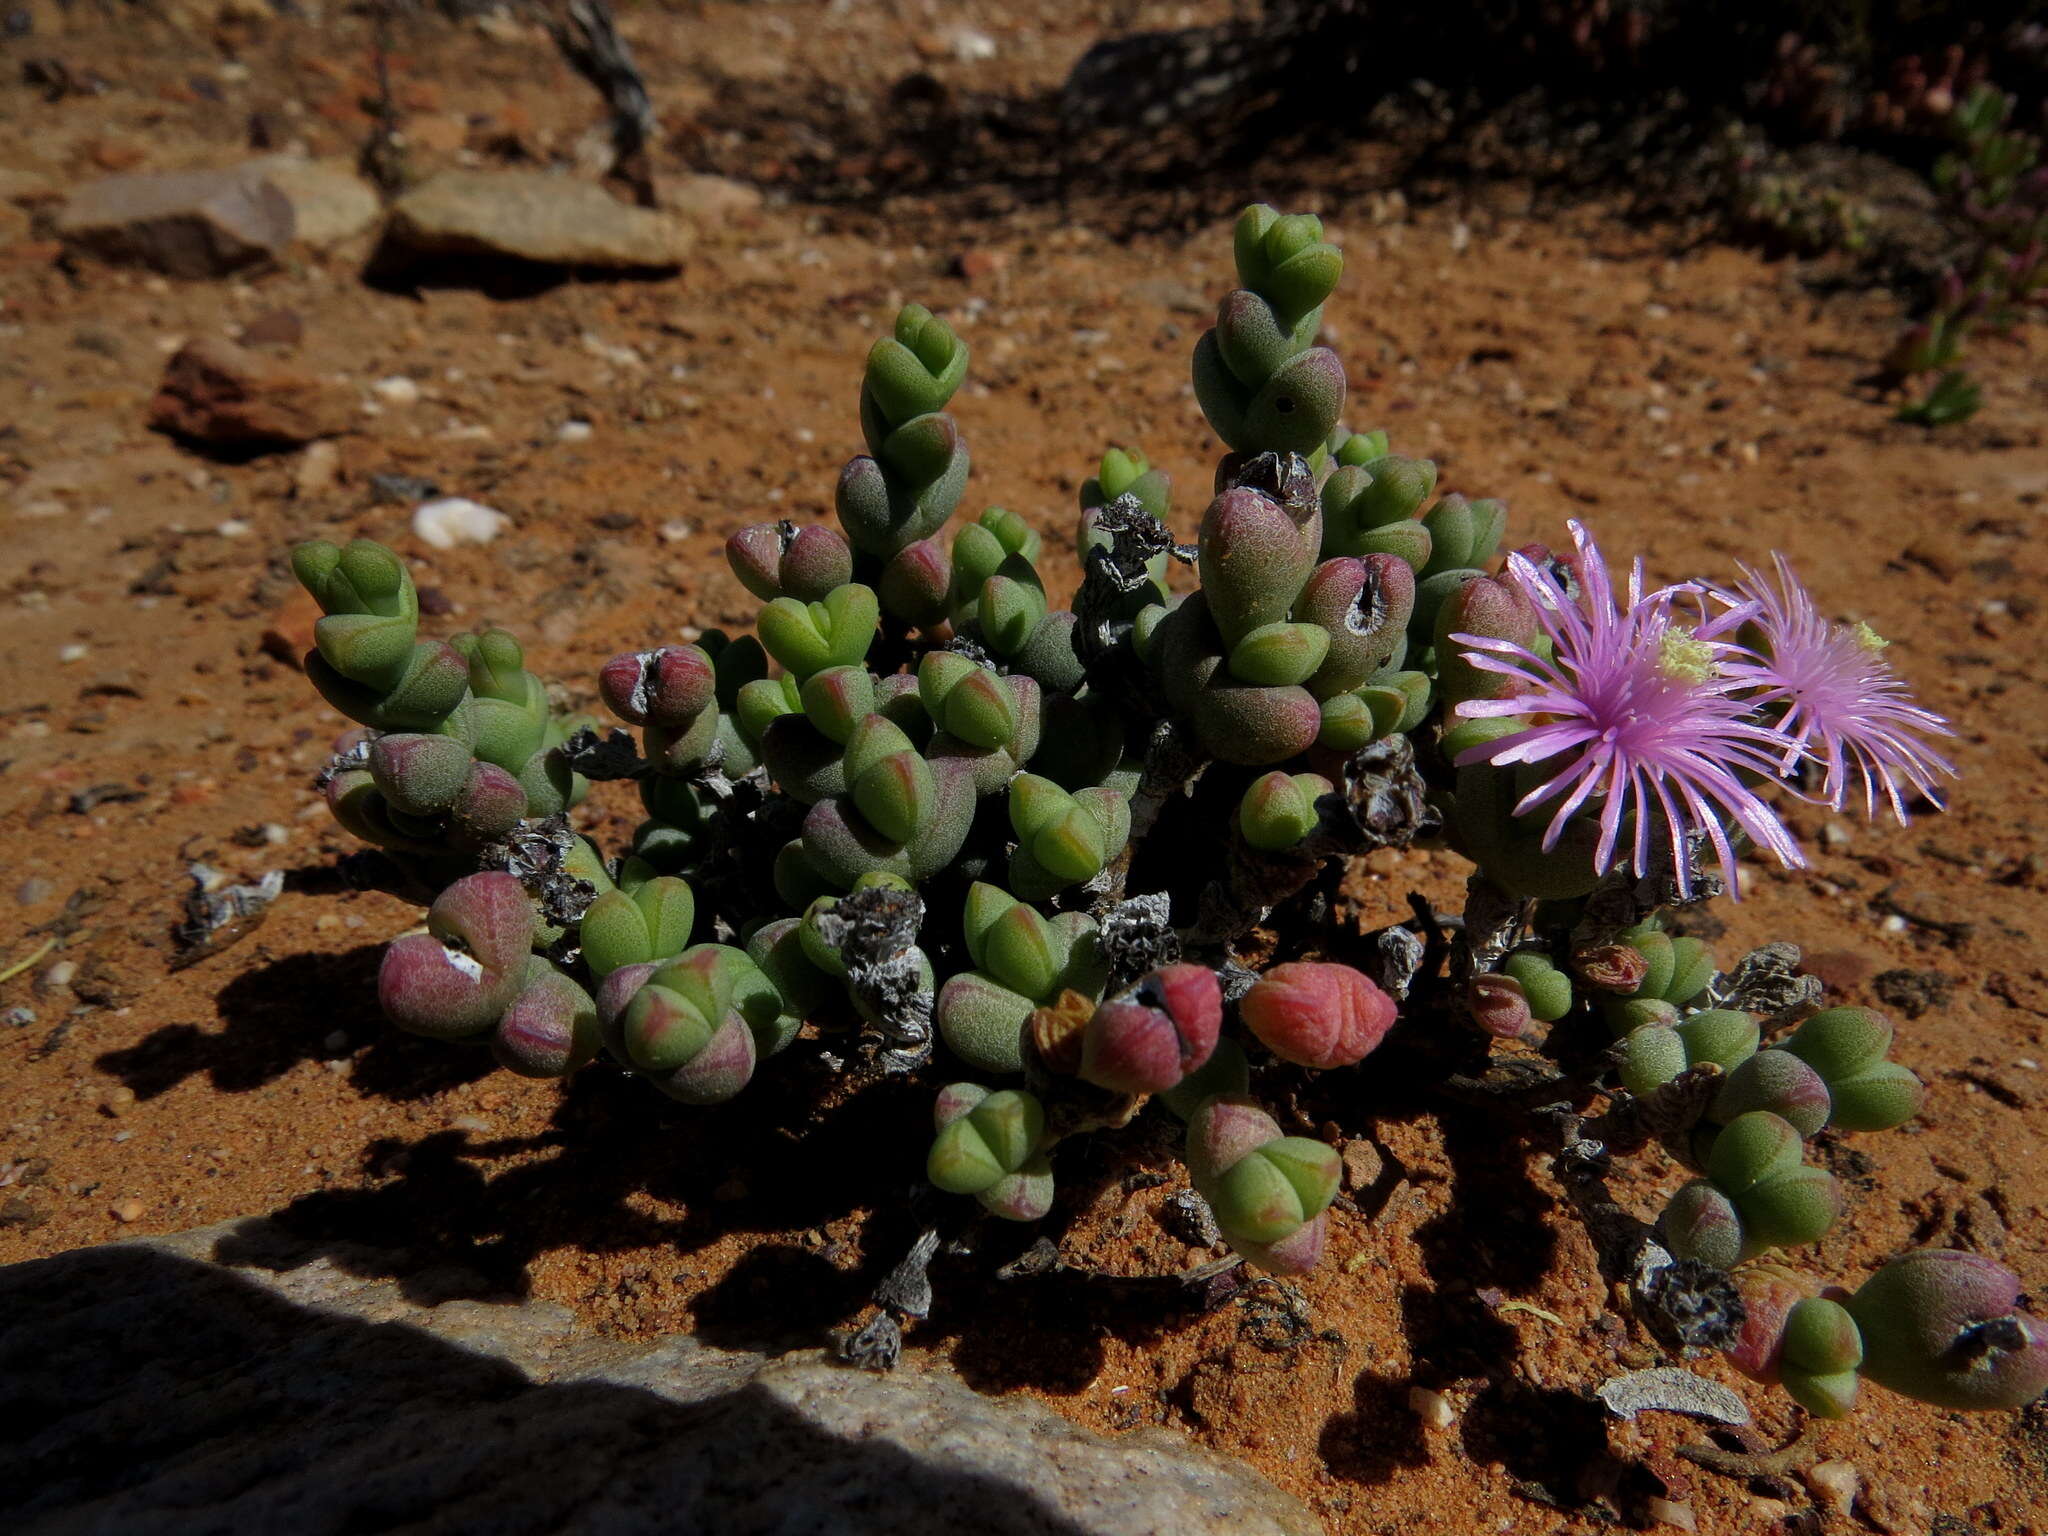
(1697, 403)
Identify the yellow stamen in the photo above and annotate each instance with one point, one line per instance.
(1868, 638)
(1684, 658)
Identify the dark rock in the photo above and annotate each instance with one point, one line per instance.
(219, 395)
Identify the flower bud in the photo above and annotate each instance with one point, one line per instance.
(1316, 1014)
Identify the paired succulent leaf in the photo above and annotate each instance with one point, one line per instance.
(992, 1146)
(1270, 1193)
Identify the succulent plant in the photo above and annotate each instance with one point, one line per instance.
(926, 818)
(1270, 1192)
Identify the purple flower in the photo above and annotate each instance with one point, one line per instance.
(1641, 715)
(1843, 703)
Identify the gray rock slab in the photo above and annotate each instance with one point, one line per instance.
(236, 1379)
(532, 216)
(330, 203)
(181, 223)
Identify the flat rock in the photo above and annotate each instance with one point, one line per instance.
(532, 216)
(236, 1379)
(181, 223)
(330, 203)
(218, 395)
(708, 199)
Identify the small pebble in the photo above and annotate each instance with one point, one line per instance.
(130, 1209)
(396, 390)
(233, 528)
(574, 432)
(119, 1099)
(677, 529)
(1835, 1484)
(72, 653)
(1893, 924)
(34, 891)
(455, 520)
(60, 974)
(476, 1125)
(1834, 835)
(1670, 1512)
(1433, 1408)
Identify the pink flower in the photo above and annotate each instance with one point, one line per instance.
(1842, 702)
(1640, 713)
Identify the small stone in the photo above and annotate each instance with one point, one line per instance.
(709, 199)
(1835, 1484)
(455, 520)
(574, 432)
(978, 262)
(189, 224)
(1363, 1164)
(396, 390)
(1834, 835)
(34, 891)
(130, 1209)
(216, 394)
(120, 1099)
(19, 1211)
(1670, 1512)
(274, 328)
(677, 529)
(1433, 1408)
(75, 652)
(317, 470)
(532, 216)
(60, 974)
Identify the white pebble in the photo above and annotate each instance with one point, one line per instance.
(233, 528)
(970, 46)
(74, 652)
(677, 529)
(1433, 1408)
(1893, 924)
(573, 432)
(455, 520)
(1835, 1484)
(60, 974)
(396, 390)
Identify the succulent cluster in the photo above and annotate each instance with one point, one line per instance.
(1995, 188)
(923, 821)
